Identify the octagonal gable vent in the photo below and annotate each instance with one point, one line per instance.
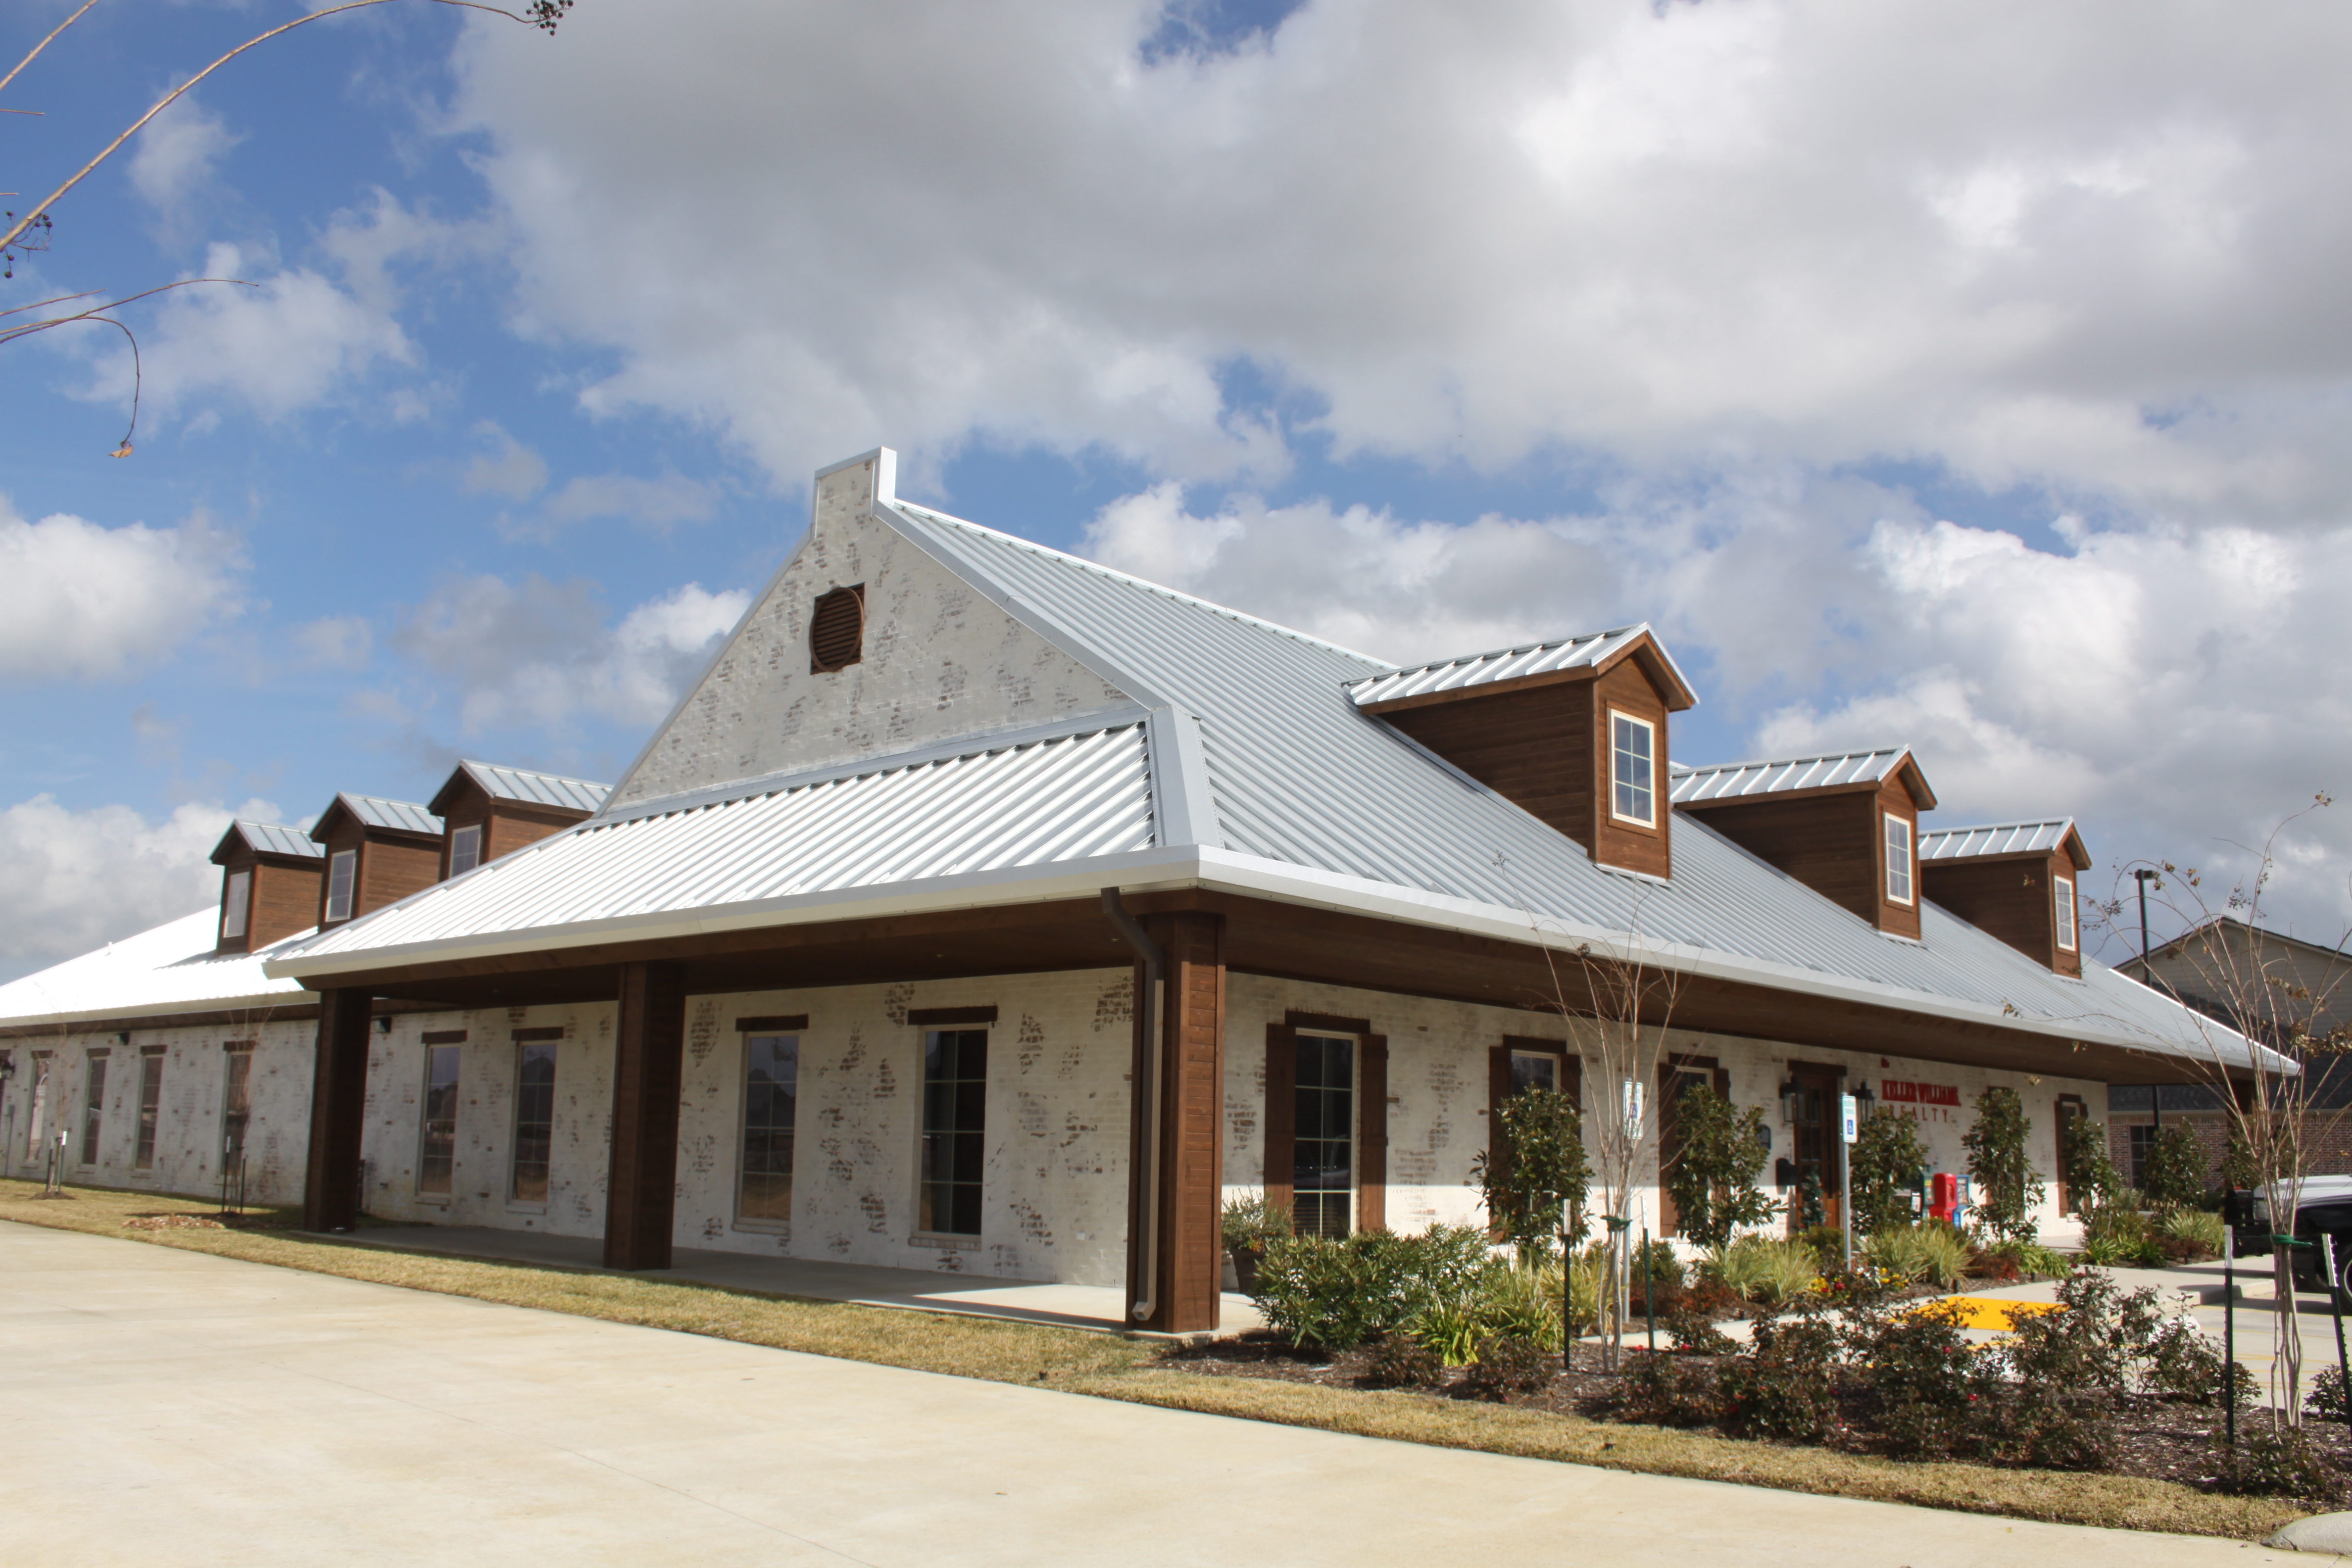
(837, 630)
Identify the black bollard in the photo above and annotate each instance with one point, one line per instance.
(2229, 1333)
(1649, 1290)
(2335, 1305)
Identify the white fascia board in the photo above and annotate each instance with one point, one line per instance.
(1143, 868)
(267, 1002)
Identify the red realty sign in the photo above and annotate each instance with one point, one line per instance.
(1901, 1093)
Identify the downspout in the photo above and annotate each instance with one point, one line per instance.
(1145, 1224)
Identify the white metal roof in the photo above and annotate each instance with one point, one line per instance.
(2002, 838)
(1016, 803)
(169, 969)
(1586, 651)
(537, 789)
(275, 838)
(1732, 780)
(1254, 771)
(399, 816)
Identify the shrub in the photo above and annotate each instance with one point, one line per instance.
(1787, 1387)
(1762, 1268)
(1584, 1280)
(1827, 1243)
(1695, 1334)
(2176, 1170)
(1335, 1295)
(2280, 1461)
(2197, 1228)
(1718, 1152)
(1523, 1302)
(2330, 1401)
(1936, 1389)
(2027, 1257)
(2091, 1174)
(1403, 1362)
(2115, 1217)
(1507, 1364)
(2008, 1188)
(1451, 1330)
(1933, 1251)
(1663, 1392)
(1251, 1223)
(1885, 1163)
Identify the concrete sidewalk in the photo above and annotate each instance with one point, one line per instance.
(1066, 1305)
(161, 1407)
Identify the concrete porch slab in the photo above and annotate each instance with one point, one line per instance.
(1095, 1307)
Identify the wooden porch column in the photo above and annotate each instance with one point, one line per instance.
(641, 1190)
(331, 1183)
(1191, 1118)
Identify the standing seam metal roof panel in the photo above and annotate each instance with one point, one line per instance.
(1729, 780)
(275, 838)
(521, 785)
(2004, 839)
(1581, 652)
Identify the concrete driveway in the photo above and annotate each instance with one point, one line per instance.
(159, 1406)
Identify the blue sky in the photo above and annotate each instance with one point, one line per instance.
(1974, 381)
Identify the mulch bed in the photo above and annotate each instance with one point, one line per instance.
(206, 1222)
(2160, 1440)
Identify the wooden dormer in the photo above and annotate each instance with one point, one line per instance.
(269, 884)
(488, 811)
(1846, 826)
(2017, 881)
(393, 849)
(1538, 725)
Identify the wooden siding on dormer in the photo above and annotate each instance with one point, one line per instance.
(2013, 897)
(506, 825)
(284, 900)
(390, 866)
(1833, 841)
(1626, 689)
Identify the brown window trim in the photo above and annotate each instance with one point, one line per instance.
(541, 1032)
(1326, 1023)
(448, 1037)
(238, 1044)
(776, 1024)
(933, 1017)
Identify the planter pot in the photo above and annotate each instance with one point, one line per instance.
(1244, 1264)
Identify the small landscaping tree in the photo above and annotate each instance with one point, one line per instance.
(1535, 1178)
(2177, 1171)
(1886, 1164)
(2091, 1174)
(2008, 1188)
(1718, 1153)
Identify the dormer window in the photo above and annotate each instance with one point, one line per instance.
(2063, 891)
(1633, 753)
(235, 902)
(340, 871)
(465, 849)
(1898, 859)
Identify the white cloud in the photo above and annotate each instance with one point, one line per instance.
(336, 642)
(1680, 233)
(538, 653)
(71, 880)
(173, 160)
(82, 602)
(514, 470)
(659, 503)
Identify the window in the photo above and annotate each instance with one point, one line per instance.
(2063, 889)
(1534, 1069)
(955, 1128)
(465, 849)
(771, 1076)
(93, 1103)
(534, 1129)
(1631, 750)
(44, 1088)
(237, 1101)
(1323, 1181)
(235, 902)
(437, 1161)
(1898, 859)
(340, 871)
(151, 1102)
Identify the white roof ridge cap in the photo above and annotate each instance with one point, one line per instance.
(1564, 641)
(1784, 762)
(1115, 574)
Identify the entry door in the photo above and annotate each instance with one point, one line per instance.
(1815, 1139)
(1675, 1077)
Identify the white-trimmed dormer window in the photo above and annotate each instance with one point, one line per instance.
(342, 871)
(1898, 859)
(1633, 753)
(2062, 889)
(465, 849)
(236, 900)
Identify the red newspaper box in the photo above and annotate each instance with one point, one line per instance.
(1943, 1195)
